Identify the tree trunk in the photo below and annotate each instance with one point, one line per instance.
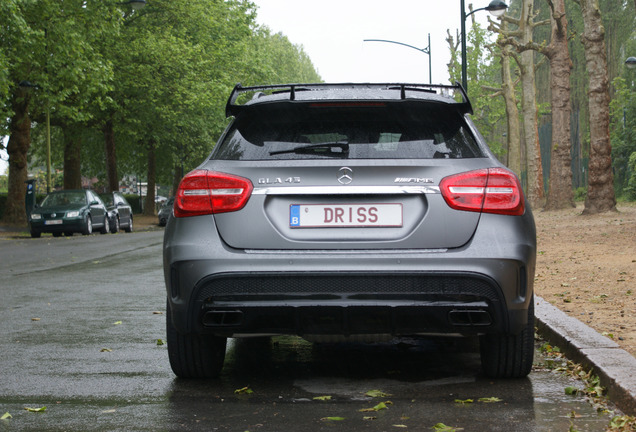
(17, 148)
(176, 179)
(600, 187)
(560, 194)
(535, 188)
(112, 179)
(512, 112)
(149, 204)
(72, 159)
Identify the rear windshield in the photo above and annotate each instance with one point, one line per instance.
(319, 132)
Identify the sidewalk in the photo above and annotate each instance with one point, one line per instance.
(615, 367)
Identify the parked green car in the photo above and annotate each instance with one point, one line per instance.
(67, 212)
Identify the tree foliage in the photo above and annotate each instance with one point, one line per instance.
(156, 79)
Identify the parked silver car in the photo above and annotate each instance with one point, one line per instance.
(120, 213)
(165, 211)
(350, 212)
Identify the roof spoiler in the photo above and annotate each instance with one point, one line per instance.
(232, 108)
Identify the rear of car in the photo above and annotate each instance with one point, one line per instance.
(350, 212)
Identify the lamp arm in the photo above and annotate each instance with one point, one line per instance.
(472, 12)
(426, 50)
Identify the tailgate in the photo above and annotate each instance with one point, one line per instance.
(346, 207)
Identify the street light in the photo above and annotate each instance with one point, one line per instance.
(496, 8)
(426, 50)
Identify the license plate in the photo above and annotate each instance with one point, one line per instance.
(53, 222)
(345, 215)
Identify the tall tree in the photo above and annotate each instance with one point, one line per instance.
(560, 194)
(600, 193)
(521, 37)
(47, 44)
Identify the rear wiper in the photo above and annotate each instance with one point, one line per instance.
(339, 149)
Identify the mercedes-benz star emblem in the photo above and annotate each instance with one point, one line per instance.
(345, 175)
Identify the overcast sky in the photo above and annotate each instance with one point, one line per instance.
(332, 34)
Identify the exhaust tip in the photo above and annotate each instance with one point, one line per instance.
(469, 318)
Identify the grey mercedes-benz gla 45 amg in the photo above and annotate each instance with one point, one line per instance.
(350, 212)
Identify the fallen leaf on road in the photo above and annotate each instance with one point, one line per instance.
(29, 409)
(322, 398)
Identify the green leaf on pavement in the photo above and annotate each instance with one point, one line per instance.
(244, 390)
(322, 398)
(29, 409)
(441, 427)
(6, 416)
(378, 407)
(489, 400)
(377, 393)
(464, 401)
(333, 418)
(571, 390)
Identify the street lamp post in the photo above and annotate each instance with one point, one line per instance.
(426, 50)
(496, 8)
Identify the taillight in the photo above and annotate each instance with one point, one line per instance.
(492, 190)
(204, 192)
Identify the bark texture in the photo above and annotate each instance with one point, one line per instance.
(535, 188)
(560, 194)
(17, 148)
(512, 111)
(72, 159)
(600, 188)
(112, 179)
(149, 203)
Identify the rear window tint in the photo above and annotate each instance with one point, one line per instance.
(388, 132)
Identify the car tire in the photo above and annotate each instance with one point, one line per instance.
(114, 228)
(509, 356)
(36, 234)
(192, 355)
(68, 233)
(88, 226)
(129, 227)
(106, 227)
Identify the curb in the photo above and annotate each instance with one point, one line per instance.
(615, 367)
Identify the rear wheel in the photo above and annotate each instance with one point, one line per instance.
(192, 355)
(509, 356)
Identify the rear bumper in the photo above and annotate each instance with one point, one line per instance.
(481, 288)
(347, 304)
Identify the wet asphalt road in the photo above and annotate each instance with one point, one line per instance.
(81, 318)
